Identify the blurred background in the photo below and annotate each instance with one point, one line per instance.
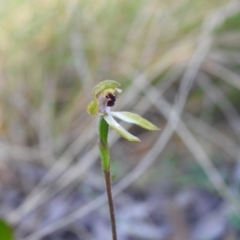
(178, 65)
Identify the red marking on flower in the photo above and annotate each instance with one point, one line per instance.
(112, 99)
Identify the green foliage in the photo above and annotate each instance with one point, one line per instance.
(234, 221)
(231, 24)
(6, 232)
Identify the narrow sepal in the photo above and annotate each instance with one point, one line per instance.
(92, 108)
(135, 119)
(119, 129)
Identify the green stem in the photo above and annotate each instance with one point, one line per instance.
(103, 144)
(105, 162)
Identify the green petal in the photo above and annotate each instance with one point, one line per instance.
(107, 84)
(92, 108)
(136, 119)
(119, 129)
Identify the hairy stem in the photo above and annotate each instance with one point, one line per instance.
(105, 161)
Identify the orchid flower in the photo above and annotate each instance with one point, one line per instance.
(104, 97)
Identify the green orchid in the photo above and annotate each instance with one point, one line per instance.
(104, 96)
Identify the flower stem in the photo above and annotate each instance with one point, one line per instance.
(105, 162)
(110, 204)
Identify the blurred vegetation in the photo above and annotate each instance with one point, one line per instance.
(53, 52)
(39, 38)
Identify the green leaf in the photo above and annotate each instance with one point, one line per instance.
(119, 129)
(107, 84)
(92, 108)
(6, 232)
(103, 143)
(136, 119)
(103, 130)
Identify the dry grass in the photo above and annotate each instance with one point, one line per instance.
(178, 65)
